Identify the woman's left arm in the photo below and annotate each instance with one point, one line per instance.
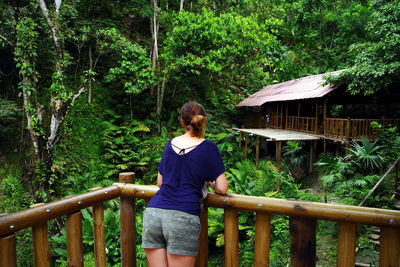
(220, 185)
(159, 179)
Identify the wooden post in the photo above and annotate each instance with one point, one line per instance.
(316, 118)
(324, 122)
(262, 239)
(202, 256)
(74, 239)
(278, 155)
(278, 162)
(240, 140)
(8, 251)
(246, 138)
(277, 116)
(128, 224)
(348, 129)
(346, 255)
(287, 113)
(257, 150)
(312, 147)
(40, 243)
(281, 124)
(231, 232)
(389, 247)
(298, 116)
(99, 235)
(397, 176)
(302, 242)
(307, 124)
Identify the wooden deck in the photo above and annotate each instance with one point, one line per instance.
(279, 134)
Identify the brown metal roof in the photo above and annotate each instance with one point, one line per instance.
(302, 88)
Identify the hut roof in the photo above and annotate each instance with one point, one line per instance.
(302, 88)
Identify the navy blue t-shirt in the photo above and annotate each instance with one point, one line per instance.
(183, 177)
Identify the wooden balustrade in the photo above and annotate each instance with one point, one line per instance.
(339, 129)
(303, 216)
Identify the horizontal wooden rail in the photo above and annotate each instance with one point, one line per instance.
(13, 222)
(311, 210)
(302, 226)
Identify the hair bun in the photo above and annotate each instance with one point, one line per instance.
(198, 121)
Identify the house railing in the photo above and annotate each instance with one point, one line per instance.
(340, 129)
(303, 124)
(302, 223)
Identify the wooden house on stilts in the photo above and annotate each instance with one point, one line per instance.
(309, 109)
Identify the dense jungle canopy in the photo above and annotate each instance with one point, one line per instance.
(92, 88)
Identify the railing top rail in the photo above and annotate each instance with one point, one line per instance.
(294, 208)
(362, 215)
(16, 221)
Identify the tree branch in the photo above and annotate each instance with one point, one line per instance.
(6, 40)
(53, 31)
(80, 91)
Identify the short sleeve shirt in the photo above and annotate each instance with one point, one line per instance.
(183, 177)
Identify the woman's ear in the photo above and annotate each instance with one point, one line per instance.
(183, 124)
(205, 120)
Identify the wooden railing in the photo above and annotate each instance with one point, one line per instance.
(302, 124)
(339, 129)
(336, 128)
(303, 216)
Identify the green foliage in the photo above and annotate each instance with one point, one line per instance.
(134, 71)
(279, 251)
(351, 177)
(389, 140)
(377, 63)
(320, 33)
(366, 155)
(214, 54)
(295, 156)
(111, 220)
(294, 153)
(14, 196)
(8, 115)
(122, 147)
(25, 55)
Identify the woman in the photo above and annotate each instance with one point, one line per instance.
(171, 221)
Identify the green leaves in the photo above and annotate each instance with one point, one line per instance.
(377, 63)
(133, 70)
(367, 154)
(220, 54)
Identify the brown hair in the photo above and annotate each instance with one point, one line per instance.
(194, 116)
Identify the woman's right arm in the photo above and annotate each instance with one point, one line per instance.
(220, 185)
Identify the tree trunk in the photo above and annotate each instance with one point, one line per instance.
(154, 31)
(90, 75)
(181, 5)
(28, 113)
(58, 105)
(161, 95)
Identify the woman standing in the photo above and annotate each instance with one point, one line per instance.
(171, 221)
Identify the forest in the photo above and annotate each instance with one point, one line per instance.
(90, 89)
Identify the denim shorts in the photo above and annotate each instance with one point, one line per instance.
(175, 230)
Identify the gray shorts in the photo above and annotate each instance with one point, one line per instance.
(175, 230)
